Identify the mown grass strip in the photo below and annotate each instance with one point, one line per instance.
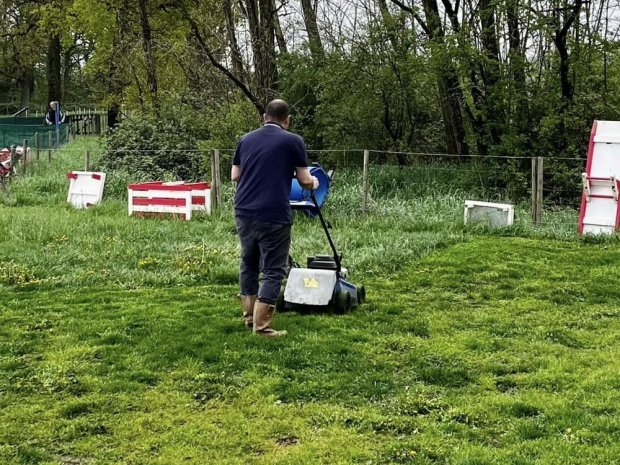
(498, 350)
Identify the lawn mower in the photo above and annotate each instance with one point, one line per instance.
(322, 285)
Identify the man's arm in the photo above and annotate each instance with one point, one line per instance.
(235, 173)
(305, 179)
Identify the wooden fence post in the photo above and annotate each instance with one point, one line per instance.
(25, 160)
(537, 190)
(49, 146)
(217, 178)
(539, 187)
(213, 182)
(365, 179)
(36, 146)
(13, 161)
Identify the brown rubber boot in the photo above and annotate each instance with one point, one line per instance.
(263, 314)
(247, 304)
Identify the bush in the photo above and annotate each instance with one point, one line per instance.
(151, 149)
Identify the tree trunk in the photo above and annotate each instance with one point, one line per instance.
(53, 69)
(26, 85)
(388, 23)
(113, 112)
(491, 74)
(567, 88)
(206, 49)
(260, 14)
(450, 92)
(66, 72)
(560, 39)
(312, 28)
(237, 62)
(517, 60)
(115, 76)
(518, 108)
(490, 42)
(406, 115)
(147, 43)
(278, 29)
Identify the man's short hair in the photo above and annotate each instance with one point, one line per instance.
(277, 110)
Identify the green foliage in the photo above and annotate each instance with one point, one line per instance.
(386, 109)
(227, 122)
(153, 149)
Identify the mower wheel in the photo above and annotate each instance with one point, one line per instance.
(361, 295)
(343, 302)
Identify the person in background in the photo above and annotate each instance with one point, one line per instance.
(263, 167)
(50, 116)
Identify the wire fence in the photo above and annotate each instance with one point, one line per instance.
(367, 180)
(405, 175)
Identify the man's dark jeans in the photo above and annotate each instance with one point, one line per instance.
(264, 249)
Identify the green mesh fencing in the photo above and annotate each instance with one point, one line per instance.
(13, 131)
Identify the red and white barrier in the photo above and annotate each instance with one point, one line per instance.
(176, 198)
(5, 159)
(600, 209)
(85, 188)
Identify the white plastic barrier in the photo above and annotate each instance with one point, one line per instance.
(177, 198)
(493, 214)
(85, 188)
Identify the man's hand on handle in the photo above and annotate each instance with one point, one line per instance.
(305, 179)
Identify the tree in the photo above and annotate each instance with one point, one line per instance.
(20, 48)
(259, 15)
(450, 92)
(147, 43)
(314, 38)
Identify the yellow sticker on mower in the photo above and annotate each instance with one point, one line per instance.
(311, 282)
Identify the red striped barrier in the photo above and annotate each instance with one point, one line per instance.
(176, 198)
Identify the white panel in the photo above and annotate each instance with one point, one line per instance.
(85, 189)
(597, 229)
(310, 287)
(607, 129)
(605, 161)
(157, 194)
(159, 209)
(494, 214)
(600, 212)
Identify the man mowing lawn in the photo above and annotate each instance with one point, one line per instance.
(263, 167)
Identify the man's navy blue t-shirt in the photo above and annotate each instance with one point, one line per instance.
(268, 157)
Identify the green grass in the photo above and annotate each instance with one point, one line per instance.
(121, 341)
(498, 350)
(45, 243)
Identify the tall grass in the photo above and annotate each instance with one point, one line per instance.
(44, 242)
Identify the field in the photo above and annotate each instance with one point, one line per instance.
(121, 342)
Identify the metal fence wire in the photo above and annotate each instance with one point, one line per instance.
(366, 177)
(405, 175)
